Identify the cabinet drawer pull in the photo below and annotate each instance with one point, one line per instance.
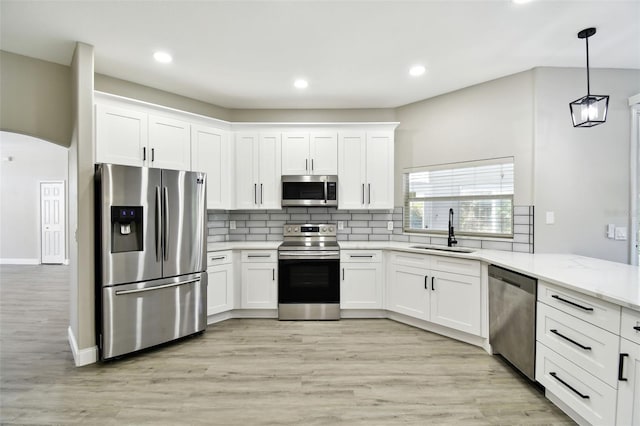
(433, 278)
(636, 328)
(370, 256)
(306, 164)
(621, 367)
(273, 274)
(342, 274)
(144, 153)
(258, 255)
(153, 155)
(555, 296)
(218, 258)
(426, 286)
(586, 348)
(555, 376)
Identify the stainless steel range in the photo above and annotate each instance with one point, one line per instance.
(309, 273)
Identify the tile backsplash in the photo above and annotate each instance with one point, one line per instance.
(359, 225)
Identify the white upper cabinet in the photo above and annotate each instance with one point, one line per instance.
(295, 154)
(379, 162)
(210, 153)
(121, 136)
(131, 136)
(352, 170)
(169, 143)
(314, 153)
(257, 170)
(365, 170)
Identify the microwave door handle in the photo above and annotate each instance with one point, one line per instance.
(326, 186)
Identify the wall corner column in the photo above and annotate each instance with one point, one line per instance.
(81, 332)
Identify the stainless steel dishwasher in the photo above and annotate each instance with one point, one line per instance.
(512, 318)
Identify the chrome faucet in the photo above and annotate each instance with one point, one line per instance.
(451, 241)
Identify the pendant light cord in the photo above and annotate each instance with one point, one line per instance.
(588, 88)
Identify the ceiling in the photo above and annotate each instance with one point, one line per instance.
(355, 54)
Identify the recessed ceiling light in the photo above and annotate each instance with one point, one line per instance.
(301, 83)
(417, 70)
(162, 57)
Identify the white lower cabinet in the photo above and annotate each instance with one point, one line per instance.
(407, 292)
(589, 397)
(259, 279)
(629, 369)
(361, 279)
(442, 296)
(455, 301)
(220, 286)
(578, 338)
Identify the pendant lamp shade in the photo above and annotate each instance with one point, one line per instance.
(589, 110)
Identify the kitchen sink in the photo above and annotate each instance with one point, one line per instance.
(444, 248)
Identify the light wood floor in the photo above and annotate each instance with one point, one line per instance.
(248, 372)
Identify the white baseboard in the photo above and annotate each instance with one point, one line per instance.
(81, 356)
(17, 261)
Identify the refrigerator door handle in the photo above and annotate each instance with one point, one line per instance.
(165, 222)
(158, 287)
(158, 223)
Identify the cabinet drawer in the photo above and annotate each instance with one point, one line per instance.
(596, 311)
(630, 325)
(588, 346)
(219, 257)
(591, 398)
(411, 259)
(259, 256)
(456, 265)
(369, 256)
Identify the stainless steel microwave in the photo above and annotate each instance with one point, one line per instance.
(309, 190)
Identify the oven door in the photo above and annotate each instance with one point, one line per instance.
(309, 280)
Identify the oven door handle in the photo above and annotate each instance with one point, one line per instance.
(293, 255)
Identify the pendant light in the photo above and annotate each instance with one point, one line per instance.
(589, 110)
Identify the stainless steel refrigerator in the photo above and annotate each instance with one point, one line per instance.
(150, 257)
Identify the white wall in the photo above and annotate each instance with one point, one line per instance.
(582, 174)
(489, 120)
(33, 160)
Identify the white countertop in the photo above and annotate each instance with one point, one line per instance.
(614, 282)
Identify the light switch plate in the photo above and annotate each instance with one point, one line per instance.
(390, 226)
(340, 225)
(621, 233)
(232, 224)
(550, 218)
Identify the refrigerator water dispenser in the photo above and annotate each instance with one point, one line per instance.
(126, 229)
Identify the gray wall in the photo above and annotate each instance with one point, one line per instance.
(128, 89)
(33, 160)
(312, 115)
(582, 175)
(35, 98)
(489, 120)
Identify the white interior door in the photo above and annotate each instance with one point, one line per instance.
(52, 217)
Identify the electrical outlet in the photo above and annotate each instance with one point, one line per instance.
(390, 226)
(232, 224)
(340, 225)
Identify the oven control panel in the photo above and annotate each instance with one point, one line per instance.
(310, 230)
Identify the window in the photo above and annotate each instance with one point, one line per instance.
(481, 195)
